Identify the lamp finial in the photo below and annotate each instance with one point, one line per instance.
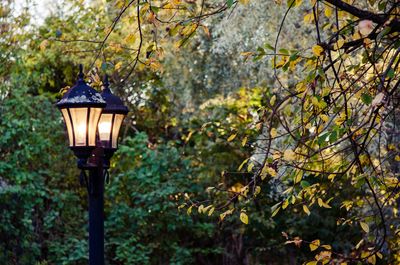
(80, 75)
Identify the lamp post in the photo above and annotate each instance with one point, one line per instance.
(93, 122)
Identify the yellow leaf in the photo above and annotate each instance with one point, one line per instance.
(324, 117)
(130, 39)
(285, 204)
(268, 171)
(243, 163)
(338, 44)
(298, 3)
(314, 244)
(244, 218)
(244, 2)
(289, 155)
(118, 66)
(364, 227)
(328, 11)
(189, 210)
(359, 243)
(200, 209)
(309, 18)
(328, 247)
(372, 260)
(274, 133)
(233, 136)
(317, 50)
(298, 177)
(306, 210)
(250, 167)
(244, 141)
(275, 212)
(257, 190)
(273, 99)
(211, 211)
(312, 263)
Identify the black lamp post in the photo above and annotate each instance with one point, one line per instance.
(93, 122)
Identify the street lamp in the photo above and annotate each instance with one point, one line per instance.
(93, 122)
(110, 120)
(81, 108)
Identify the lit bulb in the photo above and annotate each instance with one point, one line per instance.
(104, 130)
(80, 134)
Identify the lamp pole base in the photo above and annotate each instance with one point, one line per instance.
(95, 187)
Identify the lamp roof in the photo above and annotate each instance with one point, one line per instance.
(81, 95)
(114, 103)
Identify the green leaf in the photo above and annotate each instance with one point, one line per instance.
(269, 46)
(304, 184)
(229, 3)
(366, 98)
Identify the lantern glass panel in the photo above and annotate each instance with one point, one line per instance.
(93, 120)
(105, 124)
(115, 130)
(69, 126)
(79, 121)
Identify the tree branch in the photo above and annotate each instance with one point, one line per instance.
(377, 18)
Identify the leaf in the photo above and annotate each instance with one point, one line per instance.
(275, 209)
(306, 210)
(118, 66)
(289, 155)
(308, 18)
(229, 3)
(244, 218)
(324, 117)
(312, 263)
(339, 44)
(43, 45)
(250, 167)
(273, 99)
(317, 50)
(130, 39)
(304, 184)
(274, 133)
(268, 171)
(359, 244)
(211, 211)
(285, 204)
(189, 210)
(314, 244)
(244, 141)
(320, 202)
(233, 136)
(257, 190)
(243, 163)
(366, 98)
(298, 177)
(364, 227)
(328, 11)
